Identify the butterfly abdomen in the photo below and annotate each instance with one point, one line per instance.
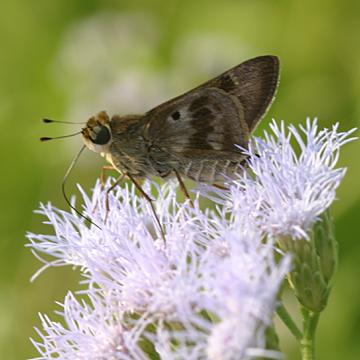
(210, 171)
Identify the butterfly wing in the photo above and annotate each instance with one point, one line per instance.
(201, 122)
(253, 83)
(197, 132)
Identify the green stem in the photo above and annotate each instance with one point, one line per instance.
(307, 343)
(289, 322)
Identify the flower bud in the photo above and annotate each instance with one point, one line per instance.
(314, 263)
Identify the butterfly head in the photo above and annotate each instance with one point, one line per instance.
(97, 133)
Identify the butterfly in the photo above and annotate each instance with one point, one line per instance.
(197, 135)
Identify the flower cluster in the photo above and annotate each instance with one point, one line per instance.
(290, 180)
(205, 285)
(212, 276)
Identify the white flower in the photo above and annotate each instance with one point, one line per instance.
(91, 331)
(244, 286)
(291, 179)
(211, 271)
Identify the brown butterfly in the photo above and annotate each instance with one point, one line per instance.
(194, 135)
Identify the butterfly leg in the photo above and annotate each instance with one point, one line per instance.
(220, 187)
(111, 188)
(102, 173)
(150, 200)
(102, 181)
(183, 188)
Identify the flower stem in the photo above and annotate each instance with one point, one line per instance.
(307, 343)
(289, 322)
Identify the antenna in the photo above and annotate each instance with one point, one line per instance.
(47, 121)
(45, 138)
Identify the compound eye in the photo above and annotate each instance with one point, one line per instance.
(103, 136)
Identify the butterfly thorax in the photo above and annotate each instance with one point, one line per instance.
(129, 150)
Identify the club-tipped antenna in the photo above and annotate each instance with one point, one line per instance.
(48, 121)
(68, 171)
(45, 138)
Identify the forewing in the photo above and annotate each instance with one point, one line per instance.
(204, 122)
(253, 83)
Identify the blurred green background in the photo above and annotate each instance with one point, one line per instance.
(68, 59)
